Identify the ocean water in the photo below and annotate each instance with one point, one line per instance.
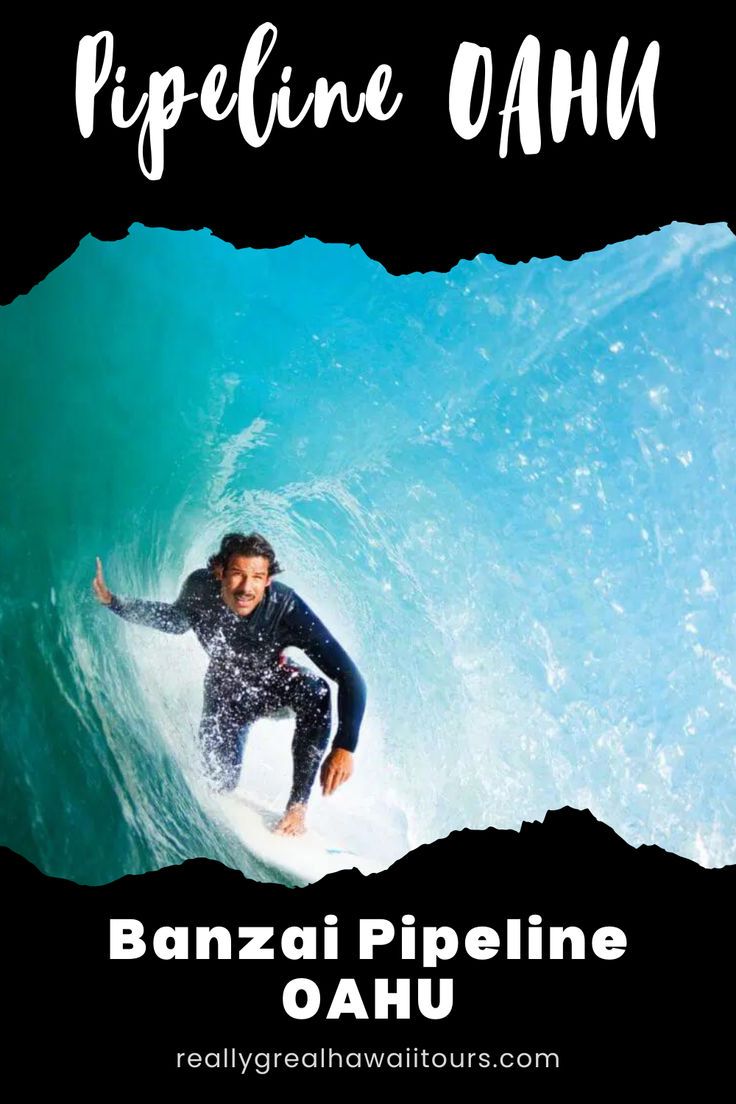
(509, 491)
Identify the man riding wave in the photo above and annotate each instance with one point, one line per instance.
(244, 620)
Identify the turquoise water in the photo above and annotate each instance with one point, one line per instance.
(509, 491)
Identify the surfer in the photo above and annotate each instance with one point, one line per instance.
(244, 620)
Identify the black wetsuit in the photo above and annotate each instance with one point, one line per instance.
(248, 677)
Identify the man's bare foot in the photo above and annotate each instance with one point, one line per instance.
(292, 822)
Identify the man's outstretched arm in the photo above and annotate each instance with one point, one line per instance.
(168, 617)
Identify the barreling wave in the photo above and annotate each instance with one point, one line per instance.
(508, 490)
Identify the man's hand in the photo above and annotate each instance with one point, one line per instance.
(336, 769)
(102, 594)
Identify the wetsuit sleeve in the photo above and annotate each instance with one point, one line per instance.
(307, 632)
(169, 617)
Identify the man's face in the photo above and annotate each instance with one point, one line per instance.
(243, 583)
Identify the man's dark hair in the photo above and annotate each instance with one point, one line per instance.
(242, 544)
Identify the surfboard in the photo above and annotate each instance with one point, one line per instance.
(358, 828)
(305, 858)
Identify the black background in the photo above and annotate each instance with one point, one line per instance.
(410, 191)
